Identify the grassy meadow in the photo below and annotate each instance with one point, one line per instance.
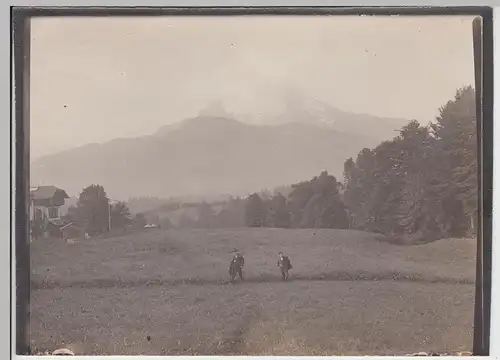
(166, 292)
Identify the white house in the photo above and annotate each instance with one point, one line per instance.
(44, 207)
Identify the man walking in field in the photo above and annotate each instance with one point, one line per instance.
(236, 267)
(285, 265)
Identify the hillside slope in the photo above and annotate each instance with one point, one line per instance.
(204, 156)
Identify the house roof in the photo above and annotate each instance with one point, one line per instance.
(46, 192)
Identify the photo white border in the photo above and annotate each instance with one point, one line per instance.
(5, 152)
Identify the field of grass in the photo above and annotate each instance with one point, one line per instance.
(167, 292)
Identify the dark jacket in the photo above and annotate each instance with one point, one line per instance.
(284, 262)
(238, 262)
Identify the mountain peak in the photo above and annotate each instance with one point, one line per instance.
(215, 153)
(215, 109)
(201, 123)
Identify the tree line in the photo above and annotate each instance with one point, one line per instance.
(96, 214)
(421, 185)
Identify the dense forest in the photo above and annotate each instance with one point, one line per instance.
(419, 186)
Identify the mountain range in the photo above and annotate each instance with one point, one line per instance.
(217, 154)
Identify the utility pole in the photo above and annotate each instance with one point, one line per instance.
(110, 203)
(109, 216)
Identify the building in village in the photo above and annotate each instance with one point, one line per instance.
(45, 203)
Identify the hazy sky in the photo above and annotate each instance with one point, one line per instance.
(95, 79)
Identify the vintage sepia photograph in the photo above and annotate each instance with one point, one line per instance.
(252, 185)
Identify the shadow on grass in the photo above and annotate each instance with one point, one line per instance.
(265, 278)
